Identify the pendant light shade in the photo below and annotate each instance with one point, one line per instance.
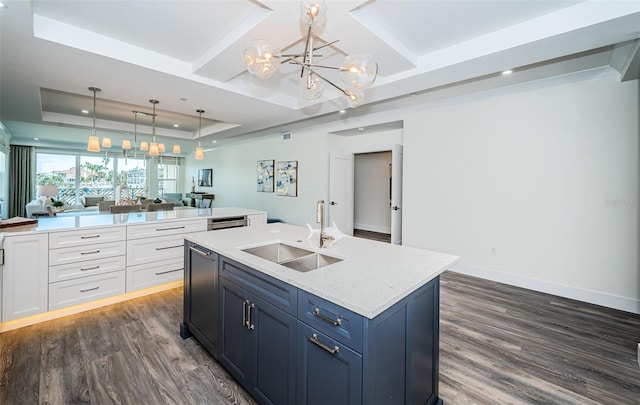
(126, 144)
(199, 150)
(94, 142)
(153, 147)
(161, 148)
(176, 148)
(106, 142)
(144, 146)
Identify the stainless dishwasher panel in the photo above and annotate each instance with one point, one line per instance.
(223, 223)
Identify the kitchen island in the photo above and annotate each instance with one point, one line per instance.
(64, 265)
(363, 329)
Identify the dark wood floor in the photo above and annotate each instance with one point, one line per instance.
(380, 237)
(499, 344)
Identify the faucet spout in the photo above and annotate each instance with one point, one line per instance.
(320, 219)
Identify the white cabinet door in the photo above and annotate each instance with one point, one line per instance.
(25, 276)
(256, 219)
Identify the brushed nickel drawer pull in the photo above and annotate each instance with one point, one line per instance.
(90, 253)
(89, 268)
(168, 271)
(244, 313)
(90, 237)
(198, 251)
(168, 247)
(170, 229)
(314, 339)
(317, 314)
(89, 289)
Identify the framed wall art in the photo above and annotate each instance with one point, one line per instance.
(265, 176)
(287, 178)
(205, 177)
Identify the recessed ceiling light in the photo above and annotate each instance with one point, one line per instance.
(3, 5)
(360, 129)
(36, 139)
(85, 111)
(214, 141)
(507, 72)
(176, 125)
(343, 111)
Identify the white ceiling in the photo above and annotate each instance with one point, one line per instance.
(188, 55)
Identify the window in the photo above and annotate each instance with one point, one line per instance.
(96, 177)
(59, 170)
(168, 173)
(133, 173)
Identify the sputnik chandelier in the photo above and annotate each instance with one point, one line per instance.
(357, 72)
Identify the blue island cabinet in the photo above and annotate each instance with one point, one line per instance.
(287, 346)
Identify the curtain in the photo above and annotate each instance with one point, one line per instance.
(20, 179)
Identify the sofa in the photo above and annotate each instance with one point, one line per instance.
(86, 203)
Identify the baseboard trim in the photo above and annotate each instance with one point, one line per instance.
(580, 294)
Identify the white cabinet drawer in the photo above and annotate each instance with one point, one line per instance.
(86, 253)
(152, 274)
(141, 251)
(86, 268)
(86, 237)
(85, 289)
(166, 228)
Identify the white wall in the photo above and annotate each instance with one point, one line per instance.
(371, 182)
(235, 169)
(538, 188)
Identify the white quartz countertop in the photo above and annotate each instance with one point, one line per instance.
(371, 277)
(62, 223)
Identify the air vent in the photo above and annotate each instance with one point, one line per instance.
(286, 136)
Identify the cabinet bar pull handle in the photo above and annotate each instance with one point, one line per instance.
(90, 237)
(89, 289)
(168, 271)
(90, 253)
(337, 322)
(198, 251)
(249, 307)
(168, 247)
(89, 268)
(170, 229)
(244, 313)
(314, 339)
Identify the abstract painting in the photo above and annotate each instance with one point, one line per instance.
(287, 178)
(265, 176)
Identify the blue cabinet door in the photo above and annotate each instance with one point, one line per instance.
(328, 371)
(235, 337)
(275, 354)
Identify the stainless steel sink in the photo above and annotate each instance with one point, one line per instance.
(311, 262)
(278, 252)
(292, 257)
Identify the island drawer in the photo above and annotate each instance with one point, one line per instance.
(141, 251)
(86, 237)
(276, 292)
(166, 228)
(153, 274)
(85, 289)
(84, 253)
(333, 320)
(86, 268)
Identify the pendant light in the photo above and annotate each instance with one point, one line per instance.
(153, 147)
(199, 150)
(94, 141)
(176, 148)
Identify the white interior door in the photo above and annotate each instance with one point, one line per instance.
(341, 191)
(396, 195)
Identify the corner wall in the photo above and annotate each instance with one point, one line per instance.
(537, 188)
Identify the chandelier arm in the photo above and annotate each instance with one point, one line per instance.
(328, 44)
(328, 81)
(306, 50)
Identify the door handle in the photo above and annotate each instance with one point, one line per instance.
(333, 203)
(395, 208)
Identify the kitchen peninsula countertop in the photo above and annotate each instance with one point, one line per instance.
(371, 277)
(54, 224)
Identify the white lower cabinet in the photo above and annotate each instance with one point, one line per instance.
(24, 276)
(85, 289)
(256, 219)
(152, 274)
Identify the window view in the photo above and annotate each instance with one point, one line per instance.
(92, 175)
(167, 178)
(133, 173)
